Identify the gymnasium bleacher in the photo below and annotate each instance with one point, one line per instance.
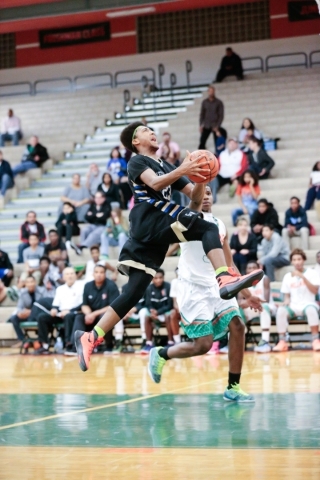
(73, 128)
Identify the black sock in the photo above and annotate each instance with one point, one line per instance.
(233, 378)
(163, 353)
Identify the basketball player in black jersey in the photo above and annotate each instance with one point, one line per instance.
(155, 223)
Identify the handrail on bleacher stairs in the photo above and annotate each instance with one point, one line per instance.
(73, 84)
(95, 85)
(311, 62)
(141, 79)
(64, 88)
(281, 55)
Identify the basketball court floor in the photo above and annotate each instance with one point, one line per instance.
(114, 423)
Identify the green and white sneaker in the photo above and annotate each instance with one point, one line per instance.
(235, 394)
(263, 347)
(156, 364)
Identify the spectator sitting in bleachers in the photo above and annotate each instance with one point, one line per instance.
(96, 259)
(220, 140)
(6, 269)
(78, 196)
(233, 163)
(159, 305)
(67, 226)
(10, 129)
(259, 161)
(33, 156)
(169, 150)
(243, 245)
(56, 250)
(175, 312)
(97, 217)
(93, 178)
(261, 290)
(27, 296)
(296, 224)
(31, 225)
(31, 259)
(110, 190)
(313, 192)
(275, 252)
(50, 277)
(299, 288)
(139, 312)
(247, 130)
(66, 304)
(116, 166)
(265, 214)
(6, 176)
(97, 296)
(231, 64)
(248, 191)
(116, 232)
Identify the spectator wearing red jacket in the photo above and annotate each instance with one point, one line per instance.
(233, 163)
(31, 225)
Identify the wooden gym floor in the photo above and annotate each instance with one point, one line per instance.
(114, 423)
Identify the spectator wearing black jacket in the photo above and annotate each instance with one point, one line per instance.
(97, 217)
(159, 305)
(6, 175)
(243, 245)
(97, 296)
(296, 224)
(34, 156)
(110, 190)
(259, 161)
(31, 225)
(67, 224)
(265, 214)
(6, 269)
(231, 64)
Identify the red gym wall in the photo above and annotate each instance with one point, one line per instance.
(123, 39)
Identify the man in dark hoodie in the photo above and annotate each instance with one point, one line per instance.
(296, 224)
(266, 214)
(34, 156)
(97, 217)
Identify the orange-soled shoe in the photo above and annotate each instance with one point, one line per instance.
(231, 283)
(316, 345)
(85, 343)
(282, 346)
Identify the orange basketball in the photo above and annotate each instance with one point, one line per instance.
(211, 163)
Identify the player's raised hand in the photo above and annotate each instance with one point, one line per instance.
(194, 167)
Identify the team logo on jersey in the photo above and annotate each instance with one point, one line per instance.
(104, 296)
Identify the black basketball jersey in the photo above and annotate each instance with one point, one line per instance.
(143, 193)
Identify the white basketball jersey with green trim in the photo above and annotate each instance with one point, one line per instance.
(194, 265)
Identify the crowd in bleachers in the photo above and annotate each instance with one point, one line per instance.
(57, 297)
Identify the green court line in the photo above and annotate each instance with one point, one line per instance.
(101, 407)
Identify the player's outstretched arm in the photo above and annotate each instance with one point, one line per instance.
(196, 194)
(187, 167)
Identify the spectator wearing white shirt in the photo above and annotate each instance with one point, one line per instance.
(314, 187)
(247, 130)
(233, 163)
(300, 288)
(169, 150)
(96, 260)
(66, 304)
(10, 129)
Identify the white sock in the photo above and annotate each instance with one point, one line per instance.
(118, 336)
(143, 336)
(177, 338)
(265, 336)
(149, 342)
(45, 345)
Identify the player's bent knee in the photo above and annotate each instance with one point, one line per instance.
(202, 345)
(237, 326)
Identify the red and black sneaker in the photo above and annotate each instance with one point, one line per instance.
(85, 343)
(231, 282)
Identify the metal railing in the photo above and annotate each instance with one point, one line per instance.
(311, 55)
(78, 86)
(137, 80)
(303, 63)
(259, 67)
(63, 88)
(10, 86)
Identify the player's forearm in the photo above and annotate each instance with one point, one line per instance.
(312, 288)
(197, 195)
(163, 181)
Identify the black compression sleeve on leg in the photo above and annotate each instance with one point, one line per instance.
(137, 285)
(211, 238)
